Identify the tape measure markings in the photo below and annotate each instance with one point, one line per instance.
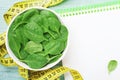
(18, 7)
(23, 72)
(55, 2)
(2, 38)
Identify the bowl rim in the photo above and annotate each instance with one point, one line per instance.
(17, 61)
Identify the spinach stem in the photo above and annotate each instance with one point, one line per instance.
(22, 60)
(51, 34)
(18, 25)
(19, 55)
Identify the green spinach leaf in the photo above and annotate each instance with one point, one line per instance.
(36, 61)
(34, 32)
(64, 33)
(34, 27)
(37, 19)
(18, 19)
(112, 65)
(54, 58)
(14, 44)
(29, 13)
(21, 36)
(23, 54)
(47, 13)
(53, 47)
(46, 26)
(54, 24)
(32, 47)
(34, 37)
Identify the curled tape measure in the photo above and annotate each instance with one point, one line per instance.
(18, 7)
(55, 2)
(50, 74)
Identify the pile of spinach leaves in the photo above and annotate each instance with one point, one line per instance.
(37, 37)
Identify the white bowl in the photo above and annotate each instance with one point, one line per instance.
(10, 52)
